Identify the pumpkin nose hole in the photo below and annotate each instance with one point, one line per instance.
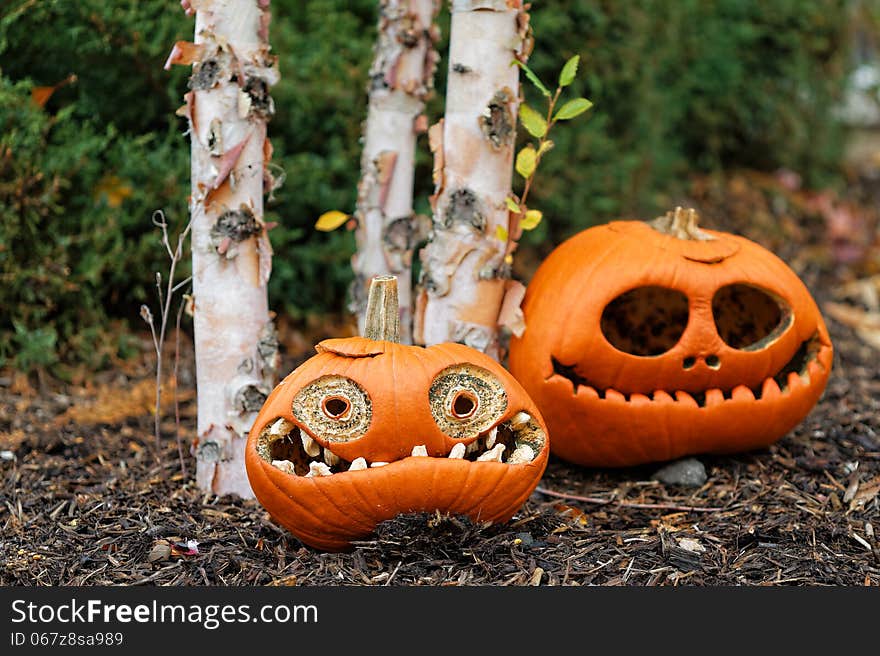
(713, 362)
(335, 407)
(464, 404)
(689, 362)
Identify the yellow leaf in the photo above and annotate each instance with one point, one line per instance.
(330, 220)
(501, 233)
(526, 161)
(512, 205)
(531, 220)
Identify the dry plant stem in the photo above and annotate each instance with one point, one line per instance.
(382, 318)
(401, 80)
(236, 353)
(628, 504)
(540, 149)
(164, 309)
(465, 275)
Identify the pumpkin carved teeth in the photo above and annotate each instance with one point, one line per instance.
(281, 427)
(519, 420)
(318, 469)
(311, 447)
(284, 465)
(289, 449)
(796, 374)
(522, 453)
(358, 464)
(492, 455)
(457, 452)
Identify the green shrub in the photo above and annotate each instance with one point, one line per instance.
(691, 85)
(683, 86)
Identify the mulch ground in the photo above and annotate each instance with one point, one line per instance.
(85, 501)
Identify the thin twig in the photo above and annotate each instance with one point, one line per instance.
(159, 221)
(388, 582)
(182, 283)
(176, 400)
(627, 504)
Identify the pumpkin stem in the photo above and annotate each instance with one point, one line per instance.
(681, 224)
(382, 320)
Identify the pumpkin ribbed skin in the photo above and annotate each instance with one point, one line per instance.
(619, 408)
(328, 512)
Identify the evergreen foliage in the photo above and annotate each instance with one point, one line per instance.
(677, 86)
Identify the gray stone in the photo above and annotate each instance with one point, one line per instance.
(688, 472)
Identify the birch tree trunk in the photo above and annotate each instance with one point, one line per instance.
(465, 283)
(401, 80)
(236, 347)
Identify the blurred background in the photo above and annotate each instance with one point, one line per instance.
(764, 114)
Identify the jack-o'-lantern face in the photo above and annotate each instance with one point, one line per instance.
(370, 429)
(677, 341)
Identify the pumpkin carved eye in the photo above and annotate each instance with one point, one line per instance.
(466, 400)
(748, 318)
(334, 408)
(645, 321)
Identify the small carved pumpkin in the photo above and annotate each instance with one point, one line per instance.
(649, 341)
(369, 429)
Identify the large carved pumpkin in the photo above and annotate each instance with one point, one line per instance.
(649, 341)
(368, 429)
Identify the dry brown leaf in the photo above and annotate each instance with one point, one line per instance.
(865, 324)
(12, 440)
(40, 95)
(865, 493)
(284, 581)
(114, 404)
(536, 576)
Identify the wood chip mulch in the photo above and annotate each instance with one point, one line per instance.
(85, 501)
(88, 504)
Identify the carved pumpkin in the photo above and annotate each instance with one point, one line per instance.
(649, 341)
(368, 429)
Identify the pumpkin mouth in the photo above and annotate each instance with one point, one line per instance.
(517, 441)
(805, 368)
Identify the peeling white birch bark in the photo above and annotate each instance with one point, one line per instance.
(465, 275)
(235, 343)
(401, 80)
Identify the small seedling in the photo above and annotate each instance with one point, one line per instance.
(539, 125)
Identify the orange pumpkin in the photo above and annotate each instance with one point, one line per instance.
(649, 341)
(368, 429)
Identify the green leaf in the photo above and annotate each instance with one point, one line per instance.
(512, 205)
(526, 161)
(572, 108)
(532, 77)
(566, 75)
(531, 220)
(330, 220)
(532, 121)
